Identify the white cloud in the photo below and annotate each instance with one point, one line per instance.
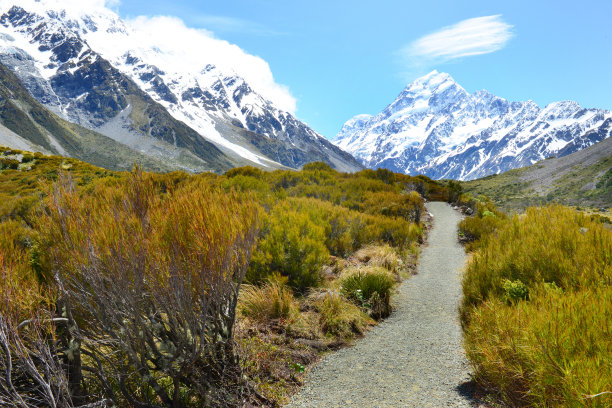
(474, 36)
(184, 50)
(189, 50)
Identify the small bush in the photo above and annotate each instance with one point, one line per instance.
(515, 290)
(291, 245)
(9, 164)
(484, 222)
(270, 301)
(370, 287)
(317, 166)
(339, 317)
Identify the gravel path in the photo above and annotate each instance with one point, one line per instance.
(415, 357)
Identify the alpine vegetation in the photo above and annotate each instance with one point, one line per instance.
(126, 288)
(537, 305)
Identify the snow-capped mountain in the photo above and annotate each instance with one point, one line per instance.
(93, 68)
(434, 127)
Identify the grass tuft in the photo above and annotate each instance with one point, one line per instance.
(268, 302)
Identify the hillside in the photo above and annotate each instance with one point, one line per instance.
(582, 178)
(28, 125)
(163, 256)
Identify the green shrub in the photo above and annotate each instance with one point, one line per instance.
(291, 245)
(484, 222)
(371, 288)
(247, 171)
(515, 290)
(9, 164)
(317, 166)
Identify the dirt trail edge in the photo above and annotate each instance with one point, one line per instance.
(415, 357)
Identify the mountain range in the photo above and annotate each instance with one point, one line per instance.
(82, 70)
(435, 127)
(88, 84)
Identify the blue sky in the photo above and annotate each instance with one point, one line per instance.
(341, 58)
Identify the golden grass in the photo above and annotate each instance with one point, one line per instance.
(270, 301)
(537, 309)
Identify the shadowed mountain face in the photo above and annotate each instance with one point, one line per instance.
(436, 128)
(26, 124)
(74, 65)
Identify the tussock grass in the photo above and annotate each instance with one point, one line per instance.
(383, 256)
(537, 308)
(339, 317)
(371, 288)
(552, 351)
(270, 301)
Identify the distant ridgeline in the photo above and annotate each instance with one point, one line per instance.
(583, 179)
(435, 127)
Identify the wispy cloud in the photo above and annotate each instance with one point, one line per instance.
(474, 36)
(233, 25)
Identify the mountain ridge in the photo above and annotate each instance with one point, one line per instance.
(81, 67)
(437, 128)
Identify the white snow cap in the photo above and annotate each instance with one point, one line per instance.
(181, 49)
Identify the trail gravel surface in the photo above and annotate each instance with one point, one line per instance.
(415, 357)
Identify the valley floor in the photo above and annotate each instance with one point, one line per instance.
(415, 358)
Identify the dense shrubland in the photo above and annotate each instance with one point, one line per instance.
(537, 306)
(124, 288)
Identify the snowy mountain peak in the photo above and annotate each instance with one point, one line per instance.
(434, 81)
(85, 63)
(435, 127)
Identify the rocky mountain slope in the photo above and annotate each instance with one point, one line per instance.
(83, 66)
(27, 125)
(434, 127)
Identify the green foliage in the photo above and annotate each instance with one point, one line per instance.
(291, 244)
(536, 309)
(9, 164)
(317, 166)
(485, 221)
(515, 290)
(370, 288)
(455, 190)
(247, 171)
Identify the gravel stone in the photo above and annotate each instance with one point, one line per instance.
(414, 358)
